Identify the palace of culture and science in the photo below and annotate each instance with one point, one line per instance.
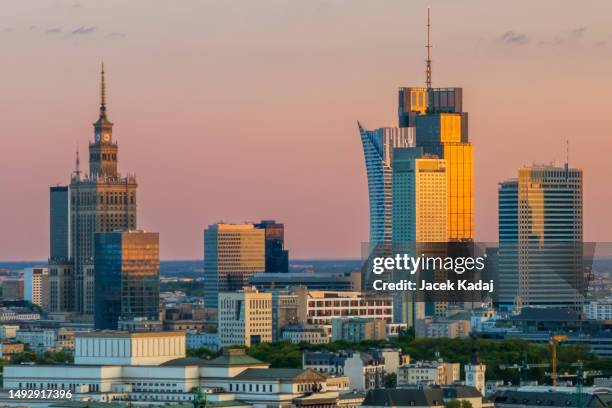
(102, 201)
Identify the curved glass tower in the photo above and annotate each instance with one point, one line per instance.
(378, 148)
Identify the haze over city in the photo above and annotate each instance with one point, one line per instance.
(240, 111)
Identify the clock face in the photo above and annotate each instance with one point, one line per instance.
(97, 136)
(106, 137)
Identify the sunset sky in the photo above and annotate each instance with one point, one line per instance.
(241, 110)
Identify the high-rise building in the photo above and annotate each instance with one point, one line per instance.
(127, 277)
(245, 317)
(433, 120)
(378, 148)
(232, 254)
(102, 201)
(541, 250)
(445, 135)
(419, 197)
(277, 257)
(35, 286)
(507, 255)
(59, 224)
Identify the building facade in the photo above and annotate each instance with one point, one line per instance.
(36, 286)
(127, 272)
(245, 317)
(277, 257)
(232, 254)
(378, 148)
(541, 250)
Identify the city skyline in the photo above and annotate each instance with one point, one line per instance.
(176, 131)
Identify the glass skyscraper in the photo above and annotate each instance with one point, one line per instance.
(127, 277)
(507, 256)
(378, 148)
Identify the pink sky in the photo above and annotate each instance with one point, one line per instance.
(242, 110)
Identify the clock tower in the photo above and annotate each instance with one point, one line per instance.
(475, 371)
(103, 151)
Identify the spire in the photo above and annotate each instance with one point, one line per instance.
(102, 93)
(77, 164)
(428, 46)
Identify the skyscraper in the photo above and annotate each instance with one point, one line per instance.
(419, 197)
(232, 254)
(127, 277)
(378, 148)
(101, 201)
(277, 257)
(541, 251)
(507, 258)
(432, 119)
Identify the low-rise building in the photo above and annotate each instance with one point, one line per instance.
(107, 373)
(358, 329)
(428, 373)
(37, 339)
(598, 310)
(555, 397)
(422, 397)
(202, 339)
(442, 328)
(365, 370)
(8, 331)
(8, 350)
(297, 333)
(245, 317)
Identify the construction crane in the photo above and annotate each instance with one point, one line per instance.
(554, 341)
(580, 376)
(523, 367)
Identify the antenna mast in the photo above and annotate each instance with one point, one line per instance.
(77, 164)
(428, 46)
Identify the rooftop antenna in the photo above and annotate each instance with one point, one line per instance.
(428, 46)
(77, 163)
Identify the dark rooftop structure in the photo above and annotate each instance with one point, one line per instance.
(418, 397)
(550, 398)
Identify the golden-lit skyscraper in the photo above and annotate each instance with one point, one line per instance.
(444, 133)
(419, 197)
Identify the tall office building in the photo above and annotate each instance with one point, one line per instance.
(232, 254)
(445, 135)
(419, 197)
(101, 201)
(542, 249)
(432, 119)
(378, 148)
(419, 220)
(127, 278)
(35, 286)
(277, 257)
(507, 255)
(245, 317)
